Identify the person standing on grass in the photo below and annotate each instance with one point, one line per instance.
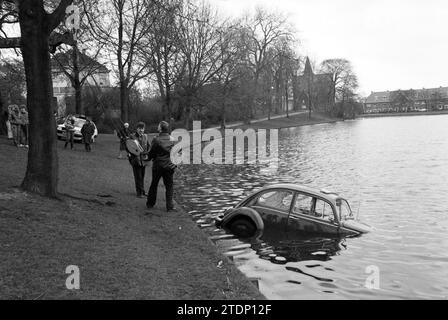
(6, 116)
(162, 166)
(87, 131)
(140, 161)
(24, 125)
(14, 119)
(123, 134)
(69, 132)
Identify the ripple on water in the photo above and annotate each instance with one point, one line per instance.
(394, 176)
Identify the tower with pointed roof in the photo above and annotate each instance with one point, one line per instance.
(308, 72)
(313, 89)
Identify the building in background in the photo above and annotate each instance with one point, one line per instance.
(95, 76)
(434, 99)
(314, 89)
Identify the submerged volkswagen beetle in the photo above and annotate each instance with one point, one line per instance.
(292, 207)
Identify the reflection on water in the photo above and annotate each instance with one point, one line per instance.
(394, 173)
(295, 247)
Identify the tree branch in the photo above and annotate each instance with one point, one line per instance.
(55, 18)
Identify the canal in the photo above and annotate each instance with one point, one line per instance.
(394, 172)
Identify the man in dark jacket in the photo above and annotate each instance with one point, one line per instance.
(139, 162)
(69, 132)
(87, 131)
(162, 166)
(123, 133)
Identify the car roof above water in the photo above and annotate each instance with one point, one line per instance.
(329, 195)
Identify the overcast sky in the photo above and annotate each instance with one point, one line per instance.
(392, 44)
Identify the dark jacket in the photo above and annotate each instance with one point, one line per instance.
(15, 118)
(161, 151)
(141, 160)
(24, 117)
(87, 132)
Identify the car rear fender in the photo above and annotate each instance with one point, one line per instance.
(247, 213)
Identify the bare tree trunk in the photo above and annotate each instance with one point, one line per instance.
(278, 98)
(167, 88)
(294, 94)
(309, 111)
(187, 115)
(76, 81)
(309, 98)
(286, 99)
(270, 107)
(250, 114)
(78, 99)
(42, 169)
(168, 107)
(223, 113)
(3, 129)
(124, 102)
(223, 117)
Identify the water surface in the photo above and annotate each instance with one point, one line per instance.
(394, 171)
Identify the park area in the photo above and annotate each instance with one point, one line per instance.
(122, 250)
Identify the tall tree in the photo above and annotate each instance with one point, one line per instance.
(12, 81)
(121, 26)
(36, 25)
(166, 59)
(230, 55)
(201, 44)
(79, 64)
(343, 79)
(285, 63)
(260, 32)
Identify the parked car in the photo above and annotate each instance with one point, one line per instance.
(79, 122)
(292, 207)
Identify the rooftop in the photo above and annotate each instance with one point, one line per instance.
(416, 94)
(65, 59)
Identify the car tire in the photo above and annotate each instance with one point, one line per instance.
(243, 227)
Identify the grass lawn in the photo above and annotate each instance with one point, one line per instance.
(100, 226)
(292, 121)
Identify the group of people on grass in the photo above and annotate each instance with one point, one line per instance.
(17, 123)
(87, 131)
(159, 152)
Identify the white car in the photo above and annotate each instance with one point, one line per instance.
(79, 122)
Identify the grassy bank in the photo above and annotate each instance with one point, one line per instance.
(98, 225)
(293, 121)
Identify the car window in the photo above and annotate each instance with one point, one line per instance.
(277, 199)
(344, 210)
(302, 204)
(323, 210)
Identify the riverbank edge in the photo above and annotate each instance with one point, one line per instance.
(402, 114)
(124, 251)
(297, 120)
